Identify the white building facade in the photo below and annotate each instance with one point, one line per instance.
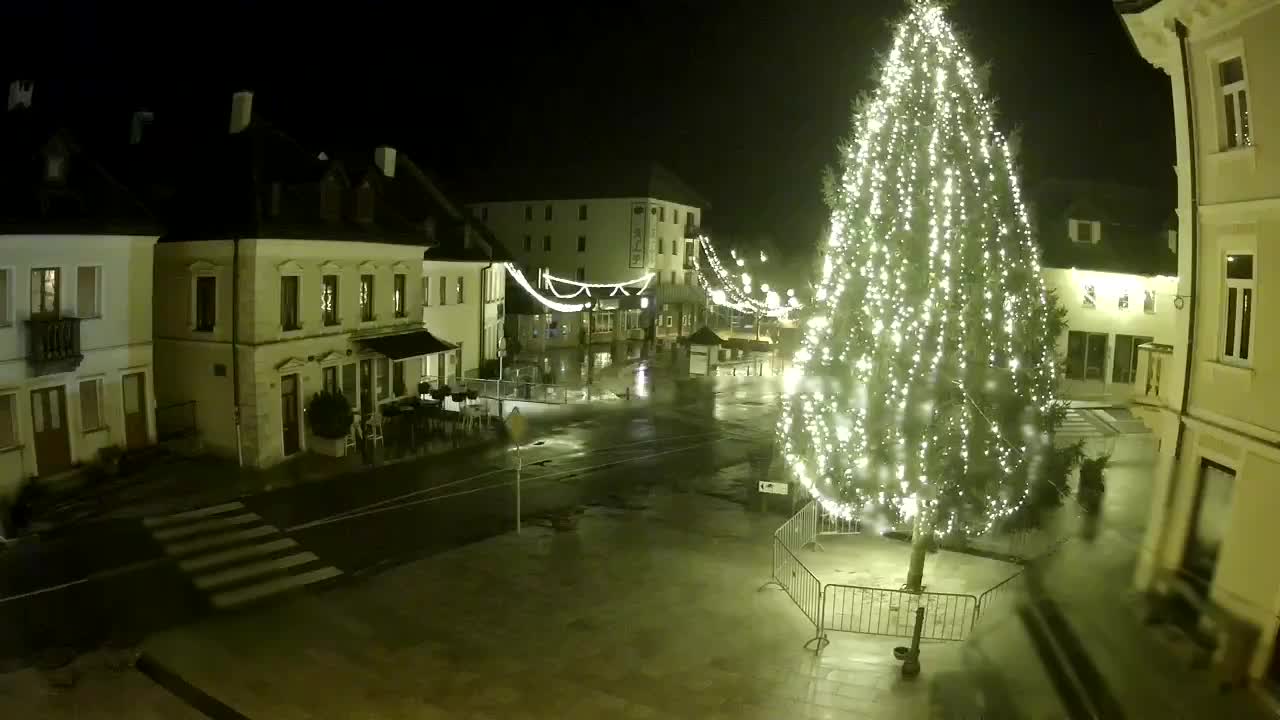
(1212, 527)
(75, 351)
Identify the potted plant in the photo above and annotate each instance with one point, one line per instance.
(329, 415)
(1092, 484)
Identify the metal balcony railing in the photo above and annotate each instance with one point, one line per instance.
(53, 344)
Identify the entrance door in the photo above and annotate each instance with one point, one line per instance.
(135, 413)
(1086, 355)
(1125, 365)
(366, 386)
(1212, 511)
(289, 413)
(49, 427)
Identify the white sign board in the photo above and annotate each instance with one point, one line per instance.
(517, 426)
(774, 488)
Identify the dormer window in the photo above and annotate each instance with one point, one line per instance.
(55, 166)
(330, 199)
(429, 228)
(1087, 232)
(364, 203)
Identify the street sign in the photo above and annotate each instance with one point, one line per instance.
(774, 488)
(517, 426)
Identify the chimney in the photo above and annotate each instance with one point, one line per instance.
(20, 94)
(141, 119)
(241, 110)
(385, 158)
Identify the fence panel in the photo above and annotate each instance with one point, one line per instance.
(802, 586)
(801, 530)
(875, 611)
(1001, 599)
(829, 524)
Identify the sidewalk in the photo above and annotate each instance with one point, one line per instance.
(652, 613)
(100, 691)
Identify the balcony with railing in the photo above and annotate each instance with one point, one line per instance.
(1153, 380)
(53, 344)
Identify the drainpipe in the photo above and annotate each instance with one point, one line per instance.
(235, 334)
(1181, 30)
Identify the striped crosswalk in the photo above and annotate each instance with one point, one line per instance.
(1081, 424)
(233, 556)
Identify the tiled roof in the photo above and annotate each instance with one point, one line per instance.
(1135, 227)
(599, 178)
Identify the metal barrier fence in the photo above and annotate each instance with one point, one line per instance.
(876, 611)
(801, 530)
(1000, 597)
(868, 610)
(535, 392)
(176, 421)
(802, 586)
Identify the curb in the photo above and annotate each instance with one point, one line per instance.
(193, 696)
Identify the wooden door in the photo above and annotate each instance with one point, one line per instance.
(289, 413)
(49, 429)
(134, 387)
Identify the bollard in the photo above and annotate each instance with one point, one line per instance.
(911, 666)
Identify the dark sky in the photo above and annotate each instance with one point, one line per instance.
(744, 99)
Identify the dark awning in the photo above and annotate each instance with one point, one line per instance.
(407, 345)
(705, 336)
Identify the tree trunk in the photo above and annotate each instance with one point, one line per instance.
(920, 535)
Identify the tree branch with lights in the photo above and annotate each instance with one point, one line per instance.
(924, 389)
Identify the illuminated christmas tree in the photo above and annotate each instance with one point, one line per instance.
(923, 392)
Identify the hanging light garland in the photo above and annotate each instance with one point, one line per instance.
(638, 285)
(735, 289)
(923, 380)
(626, 288)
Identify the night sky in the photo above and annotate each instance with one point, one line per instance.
(746, 100)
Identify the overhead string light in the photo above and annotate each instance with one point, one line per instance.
(589, 291)
(735, 288)
(922, 379)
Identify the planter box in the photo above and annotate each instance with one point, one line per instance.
(331, 447)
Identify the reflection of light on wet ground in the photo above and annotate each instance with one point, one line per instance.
(642, 380)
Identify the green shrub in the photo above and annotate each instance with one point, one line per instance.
(330, 415)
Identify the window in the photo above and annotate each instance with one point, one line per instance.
(581, 275)
(88, 292)
(329, 379)
(1086, 355)
(484, 213)
(444, 290)
(289, 302)
(91, 405)
(662, 244)
(662, 214)
(426, 290)
(364, 203)
(1084, 231)
(1123, 302)
(1149, 302)
(528, 243)
(398, 297)
(582, 212)
(528, 213)
(397, 378)
(366, 298)
(546, 213)
(675, 247)
(206, 303)
(1090, 296)
(582, 243)
(1125, 365)
(384, 375)
(669, 320)
(673, 277)
(8, 420)
(461, 297)
(546, 243)
(6, 302)
(691, 220)
(329, 299)
(1237, 322)
(675, 216)
(1235, 102)
(46, 291)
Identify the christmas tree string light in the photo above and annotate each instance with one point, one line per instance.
(924, 384)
